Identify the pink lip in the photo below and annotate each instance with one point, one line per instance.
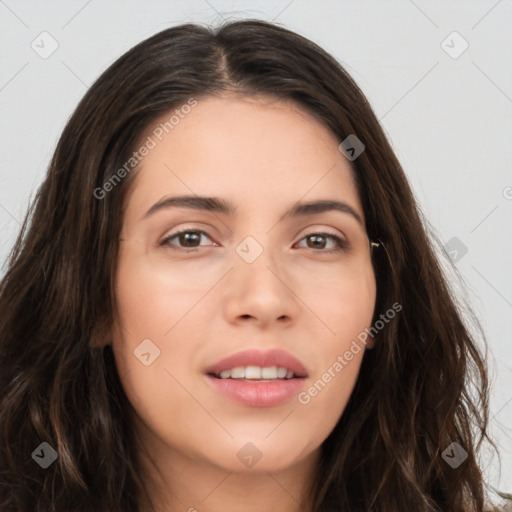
(258, 393)
(261, 358)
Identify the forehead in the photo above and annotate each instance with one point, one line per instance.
(257, 151)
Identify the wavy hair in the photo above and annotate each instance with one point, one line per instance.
(422, 387)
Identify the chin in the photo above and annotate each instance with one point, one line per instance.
(257, 455)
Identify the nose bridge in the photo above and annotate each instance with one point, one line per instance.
(257, 265)
(259, 286)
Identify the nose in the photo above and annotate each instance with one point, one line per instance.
(260, 293)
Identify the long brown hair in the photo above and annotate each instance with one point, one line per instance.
(423, 386)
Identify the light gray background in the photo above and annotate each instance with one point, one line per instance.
(449, 119)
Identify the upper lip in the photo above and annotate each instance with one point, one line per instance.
(262, 358)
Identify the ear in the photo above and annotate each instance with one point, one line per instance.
(370, 343)
(101, 335)
(101, 342)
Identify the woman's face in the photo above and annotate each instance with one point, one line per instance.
(256, 275)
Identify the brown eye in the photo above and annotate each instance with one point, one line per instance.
(188, 239)
(318, 242)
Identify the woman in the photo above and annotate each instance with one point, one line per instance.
(226, 298)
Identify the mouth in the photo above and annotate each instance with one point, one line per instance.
(258, 378)
(256, 373)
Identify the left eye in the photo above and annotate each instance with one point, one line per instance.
(319, 242)
(189, 240)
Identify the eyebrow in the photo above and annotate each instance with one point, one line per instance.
(217, 205)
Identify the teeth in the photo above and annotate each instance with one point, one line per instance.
(256, 372)
(269, 372)
(238, 372)
(252, 372)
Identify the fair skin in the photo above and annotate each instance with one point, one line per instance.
(262, 157)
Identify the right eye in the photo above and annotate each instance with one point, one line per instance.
(188, 237)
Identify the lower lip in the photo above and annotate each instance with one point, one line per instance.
(257, 393)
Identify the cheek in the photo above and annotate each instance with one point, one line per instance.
(142, 346)
(153, 304)
(151, 300)
(345, 308)
(348, 311)
(355, 303)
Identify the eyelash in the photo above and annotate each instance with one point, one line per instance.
(343, 245)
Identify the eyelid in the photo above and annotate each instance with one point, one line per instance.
(324, 230)
(315, 229)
